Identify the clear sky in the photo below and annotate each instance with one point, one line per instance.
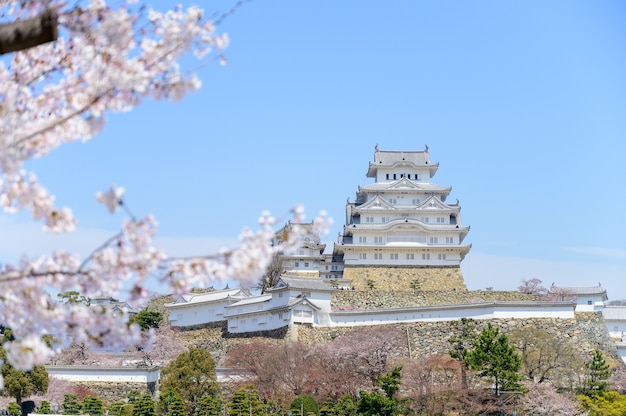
(523, 104)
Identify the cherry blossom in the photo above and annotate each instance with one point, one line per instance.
(109, 58)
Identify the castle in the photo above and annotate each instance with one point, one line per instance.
(400, 238)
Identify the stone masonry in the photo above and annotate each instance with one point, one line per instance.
(405, 277)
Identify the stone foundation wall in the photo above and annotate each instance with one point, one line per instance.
(392, 278)
(111, 392)
(382, 299)
(584, 333)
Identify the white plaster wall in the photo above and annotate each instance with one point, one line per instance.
(482, 311)
(112, 374)
(196, 314)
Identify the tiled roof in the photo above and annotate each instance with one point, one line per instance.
(194, 298)
(251, 300)
(306, 283)
(580, 290)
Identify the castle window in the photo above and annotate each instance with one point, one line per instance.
(425, 219)
(434, 240)
(425, 256)
(417, 176)
(387, 176)
(306, 264)
(378, 240)
(449, 240)
(441, 256)
(393, 256)
(589, 302)
(410, 256)
(362, 239)
(363, 256)
(394, 176)
(297, 264)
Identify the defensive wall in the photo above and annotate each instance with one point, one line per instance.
(392, 278)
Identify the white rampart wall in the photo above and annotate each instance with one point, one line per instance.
(110, 374)
(129, 374)
(495, 310)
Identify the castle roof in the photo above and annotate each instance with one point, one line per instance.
(301, 283)
(215, 295)
(581, 290)
(392, 158)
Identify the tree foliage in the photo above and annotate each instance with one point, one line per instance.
(191, 375)
(171, 404)
(93, 406)
(246, 402)
(304, 404)
(20, 384)
(71, 405)
(495, 358)
(144, 406)
(605, 403)
(148, 319)
(598, 375)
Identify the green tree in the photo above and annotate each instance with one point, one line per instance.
(191, 375)
(20, 384)
(598, 376)
(133, 396)
(328, 407)
(495, 358)
(147, 319)
(209, 406)
(605, 403)
(144, 406)
(44, 408)
(120, 409)
(305, 404)
(374, 403)
(171, 404)
(245, 402)
(93, 406)
(461, 342)
(70, 405)
(72, 296)
(14, 409)
(345, 406)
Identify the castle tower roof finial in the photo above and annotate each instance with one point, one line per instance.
(376, 147)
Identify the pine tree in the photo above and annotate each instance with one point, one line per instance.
(44, 408)
(191, 375)
(70, 405)
(345, 406)
(14, 409)
(120, 409)
(599, 373)
(209, 406)
(245, 402)
(171, 404)
(144, 406)
(93, 406)
(495, 358)
(328, 407)
(304, 404)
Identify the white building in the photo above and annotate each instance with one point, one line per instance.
(402, 219)
(588, 298)
(294, 299)
(306, 259)
(201, 308)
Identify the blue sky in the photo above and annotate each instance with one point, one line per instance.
(523, 104)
